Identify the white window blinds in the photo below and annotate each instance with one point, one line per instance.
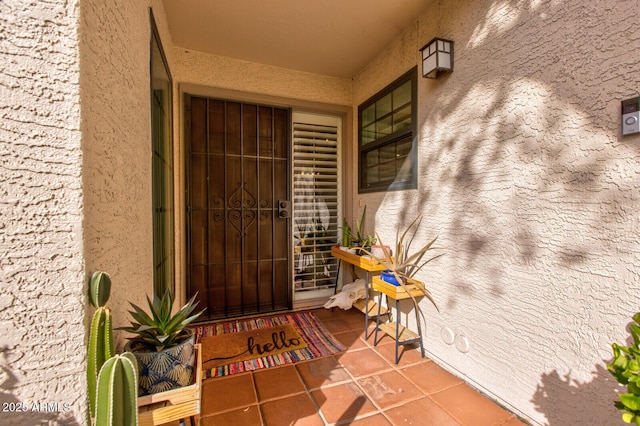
(316, 200)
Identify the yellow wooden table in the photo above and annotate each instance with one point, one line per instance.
(401, 334)
(366, 306)
(175, 404)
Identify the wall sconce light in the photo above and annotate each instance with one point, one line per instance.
(437, 57)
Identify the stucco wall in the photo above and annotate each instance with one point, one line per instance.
(534, 193)
(75, 190)
(228, 73)
(42, 311)
(115, 46)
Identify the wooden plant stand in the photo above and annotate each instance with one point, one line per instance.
(175, 404)
(366, 306)
(401, 334)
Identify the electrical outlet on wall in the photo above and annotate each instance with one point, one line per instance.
(448, 336)
(462, 343)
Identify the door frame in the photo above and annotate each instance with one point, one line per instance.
(348, 155)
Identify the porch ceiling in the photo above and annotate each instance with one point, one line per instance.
(328, 37)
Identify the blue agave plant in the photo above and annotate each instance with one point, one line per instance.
(160, 329)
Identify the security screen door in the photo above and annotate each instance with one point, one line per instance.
(238, 230)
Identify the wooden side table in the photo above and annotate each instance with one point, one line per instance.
(175, 404)
(366, 306)
(401, 334)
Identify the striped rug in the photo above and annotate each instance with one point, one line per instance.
(319, 342)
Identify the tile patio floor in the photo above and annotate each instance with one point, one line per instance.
(362, 386)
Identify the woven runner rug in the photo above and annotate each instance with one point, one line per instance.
(236, 346)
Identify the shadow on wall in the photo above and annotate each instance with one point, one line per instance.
(565, 401)
(534, 190)
(16, 412)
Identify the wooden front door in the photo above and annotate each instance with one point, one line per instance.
(237, 207)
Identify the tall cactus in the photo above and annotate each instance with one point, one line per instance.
(101, 346)
(99, 288)
(117, 403)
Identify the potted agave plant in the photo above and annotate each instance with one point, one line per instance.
(405, 263)
(356, 240)
(163, 344)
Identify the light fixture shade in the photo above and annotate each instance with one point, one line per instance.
(437, 57)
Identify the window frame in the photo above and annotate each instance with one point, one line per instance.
(161, 225)
(393, 138)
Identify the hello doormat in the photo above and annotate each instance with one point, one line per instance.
(243, 345)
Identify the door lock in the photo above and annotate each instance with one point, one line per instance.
(283, 209)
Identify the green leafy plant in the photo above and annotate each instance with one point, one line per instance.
(347, 235)
(369, 241)
(160, 329)
(359, 236)
(625, 367)
(117, 392)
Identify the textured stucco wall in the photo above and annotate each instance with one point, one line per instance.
(75, 190)
(42, 310)
(535, 194)
(114, 54)
(227, 73)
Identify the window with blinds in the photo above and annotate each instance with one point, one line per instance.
(316, 202)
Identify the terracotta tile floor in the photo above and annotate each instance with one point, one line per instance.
(362, 386)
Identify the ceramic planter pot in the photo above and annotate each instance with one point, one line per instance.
(165, 370)
(380, 252)
(388, 277)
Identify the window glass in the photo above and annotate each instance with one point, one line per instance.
(162, 168)
(387, 156)
(383, 107)
(371, 158)
(402, 118)
(402, 95)
(384, 126)
(369, 133)
(368, 115)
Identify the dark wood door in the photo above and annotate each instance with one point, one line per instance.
(237, 207)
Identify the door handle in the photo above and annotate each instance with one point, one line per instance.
(284, 211)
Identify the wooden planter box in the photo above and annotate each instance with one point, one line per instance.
(175, 404)
(396, 292)
(358, 261)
